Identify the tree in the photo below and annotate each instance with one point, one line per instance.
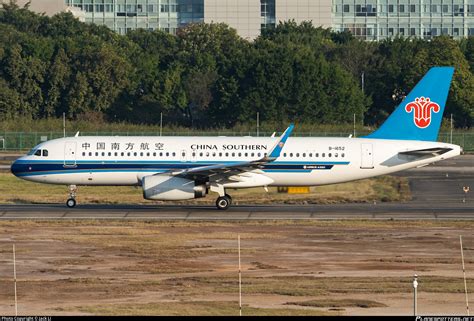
(57, 80)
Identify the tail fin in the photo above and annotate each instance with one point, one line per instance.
(419, 115)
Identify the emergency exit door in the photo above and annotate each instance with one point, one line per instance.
(367, 156)
(70, 154)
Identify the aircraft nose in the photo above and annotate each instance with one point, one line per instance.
(17, 167)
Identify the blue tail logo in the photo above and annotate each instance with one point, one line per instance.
(419, 115)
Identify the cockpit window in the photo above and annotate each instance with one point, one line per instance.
(38, 152)
(45, 152)
(31, 152)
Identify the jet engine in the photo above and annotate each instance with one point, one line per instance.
(171, 188)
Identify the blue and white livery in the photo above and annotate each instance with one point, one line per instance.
(181, 168)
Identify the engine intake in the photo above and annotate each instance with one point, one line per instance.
(171, 188)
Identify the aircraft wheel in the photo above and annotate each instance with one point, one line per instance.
(223, 202)
(71, 203)
(230, 198)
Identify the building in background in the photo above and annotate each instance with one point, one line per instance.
(366, 19)
(125, 15)
(49, 7)
(248, 17)
(380, 19)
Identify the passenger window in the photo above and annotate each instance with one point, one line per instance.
(128, 154)
(342, 155)
(329, 155)
(310, 154)
(174, 154)
(135, 154)
(323, 155)
(213, 154)
(304, 154)
(201, 154)
(220, 154)
(183, 154)
(161, 154)
(259, 154)
(115, 154)
(297, 154)
(317, 154)
(90, 153)
(233, 154)
(122, 153)
(96, 153)
(291, 154)
(335, 155)
(83, 153)
(38, 152)
(240, 154)
(148, 154)
(110, 154)
(167, 154)
(227, 154)
(154, 154)
(103, 153)
(246, 154)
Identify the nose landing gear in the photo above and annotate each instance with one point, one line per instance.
(71, 202)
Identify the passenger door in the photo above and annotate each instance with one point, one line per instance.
(367, 156)
(70, 154)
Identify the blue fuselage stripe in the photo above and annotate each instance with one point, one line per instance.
(30, 168)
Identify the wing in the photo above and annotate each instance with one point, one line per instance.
(234, 168)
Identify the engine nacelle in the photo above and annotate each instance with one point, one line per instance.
(171, 188)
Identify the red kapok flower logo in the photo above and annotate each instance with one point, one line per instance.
(422, 108)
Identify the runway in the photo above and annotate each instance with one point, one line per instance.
(392, 211)
(437, 193)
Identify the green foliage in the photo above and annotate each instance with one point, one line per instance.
(207, 76)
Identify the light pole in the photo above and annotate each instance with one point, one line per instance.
(415, 286)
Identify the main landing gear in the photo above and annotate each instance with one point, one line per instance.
(71, 202)
(224, 202)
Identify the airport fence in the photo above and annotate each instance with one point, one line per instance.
(23, 141)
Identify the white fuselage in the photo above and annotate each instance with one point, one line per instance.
(302, 162)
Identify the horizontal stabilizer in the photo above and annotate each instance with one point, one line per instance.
(427, 152)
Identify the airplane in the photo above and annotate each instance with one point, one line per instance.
(183, 168)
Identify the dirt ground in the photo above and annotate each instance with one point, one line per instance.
(191, 268)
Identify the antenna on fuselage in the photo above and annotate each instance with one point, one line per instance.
(64, 124)
(77, 134)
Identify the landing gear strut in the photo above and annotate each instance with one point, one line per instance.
(224, 202)
(71, 202)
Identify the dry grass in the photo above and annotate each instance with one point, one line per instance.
(190, 268)
(319, 286)
(342, 303)
(386, 188)
(201, 308)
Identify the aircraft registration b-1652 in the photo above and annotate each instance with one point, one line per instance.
(182, 168)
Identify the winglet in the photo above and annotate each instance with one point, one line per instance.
(276, 150)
